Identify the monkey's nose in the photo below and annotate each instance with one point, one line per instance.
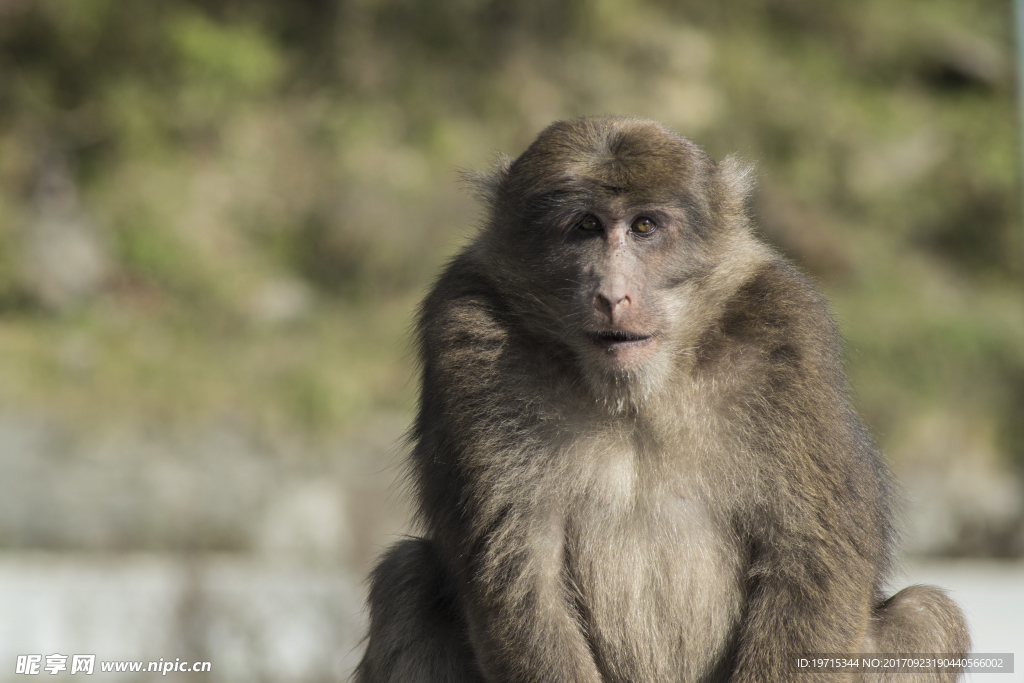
(613, 305)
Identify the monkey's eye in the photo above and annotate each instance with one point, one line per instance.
(644, 226)
(589, 223)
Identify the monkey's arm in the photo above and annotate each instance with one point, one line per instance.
(816, 520)
(818, 544)
(503, 537)
(483, 494)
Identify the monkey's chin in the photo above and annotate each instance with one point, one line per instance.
(619, 371)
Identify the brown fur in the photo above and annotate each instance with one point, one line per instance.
(635, 458)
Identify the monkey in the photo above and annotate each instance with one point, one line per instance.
(634, 457)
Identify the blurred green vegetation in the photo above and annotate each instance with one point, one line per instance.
(251, 196)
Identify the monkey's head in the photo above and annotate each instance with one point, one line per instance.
(604, 237)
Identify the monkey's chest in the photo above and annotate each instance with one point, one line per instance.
(659, 585)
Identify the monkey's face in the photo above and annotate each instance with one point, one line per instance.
(599, 236)
(610, 275)
(611, 288)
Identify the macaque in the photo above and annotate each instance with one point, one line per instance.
(635, 459)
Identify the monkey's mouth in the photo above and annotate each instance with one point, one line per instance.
(615, 340)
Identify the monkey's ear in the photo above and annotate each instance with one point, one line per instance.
(486, 185)
(736, 180)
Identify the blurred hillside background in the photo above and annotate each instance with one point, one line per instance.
(217, 216)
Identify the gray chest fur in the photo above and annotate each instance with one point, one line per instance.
(653, 565)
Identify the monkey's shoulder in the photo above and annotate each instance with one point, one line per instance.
(773, 361)
(777, 318)
(462, 317)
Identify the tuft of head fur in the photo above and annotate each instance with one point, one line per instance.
(737, 180)
(485, 186)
